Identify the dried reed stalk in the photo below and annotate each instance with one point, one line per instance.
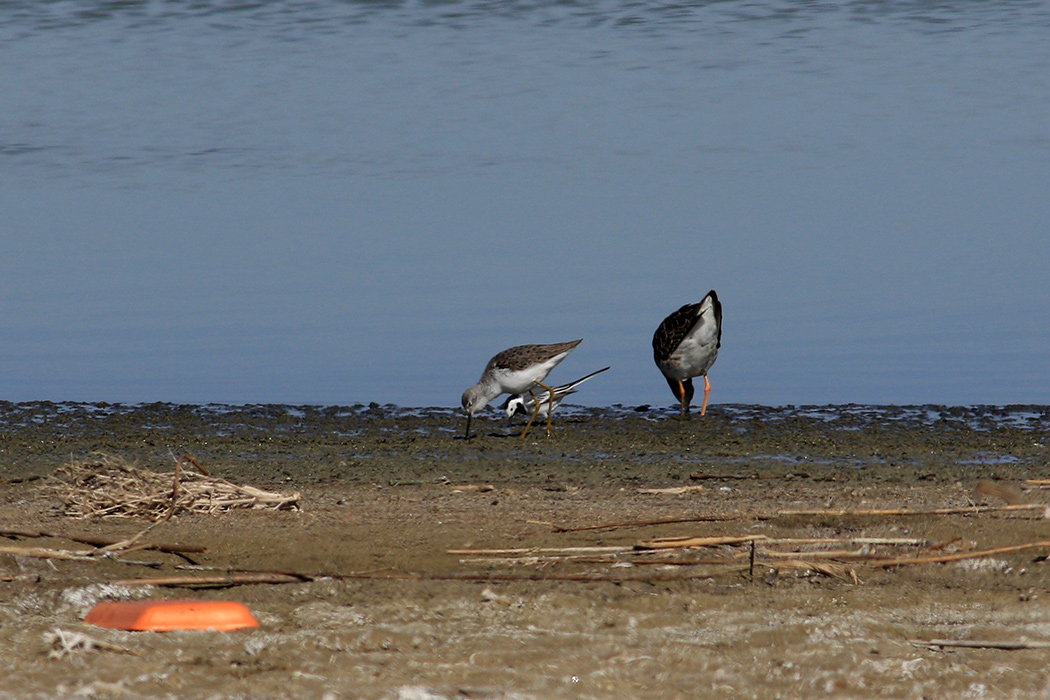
(224, 580)
(673, 490)
(234, 578)
(945, 558)
(47, 553)
(103, 541)
(825, 512)
(825, 568)
(647, 523)
(1009, 645)
(892, 541)
(687, 542)
(820, 554)
(963, 510)
(528, 551)
(111, 486)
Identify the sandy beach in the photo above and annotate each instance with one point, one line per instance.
(833, 551)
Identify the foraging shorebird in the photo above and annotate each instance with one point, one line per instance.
(686, 345)
(515, 371)
(526, 403)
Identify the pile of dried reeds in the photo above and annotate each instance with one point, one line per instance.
(105, 485)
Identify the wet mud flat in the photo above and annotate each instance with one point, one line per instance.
(756, 552)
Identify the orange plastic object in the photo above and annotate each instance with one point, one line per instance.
(167, 615)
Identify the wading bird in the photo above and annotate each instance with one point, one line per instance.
(515, 371)
(526, 403)
(686, 345)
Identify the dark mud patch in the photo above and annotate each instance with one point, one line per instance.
(365, 444)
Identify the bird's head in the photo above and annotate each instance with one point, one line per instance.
(514, 405)
(474, 400)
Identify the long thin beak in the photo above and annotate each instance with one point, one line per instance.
(466, 436)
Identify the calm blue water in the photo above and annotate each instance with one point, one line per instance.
(337, 202)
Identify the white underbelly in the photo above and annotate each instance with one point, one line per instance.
(690, 360)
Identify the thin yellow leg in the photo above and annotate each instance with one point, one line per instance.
(550, 407)
(535, 412)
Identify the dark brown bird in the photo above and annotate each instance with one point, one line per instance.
(686, 345)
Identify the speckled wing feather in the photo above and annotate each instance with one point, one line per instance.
(522, 356)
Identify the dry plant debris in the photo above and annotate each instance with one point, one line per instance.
(1006, 645)
(108, 486)
(682, 558)
(62, 643)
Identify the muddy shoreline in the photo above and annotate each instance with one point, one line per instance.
(357, 444)
(407, 596)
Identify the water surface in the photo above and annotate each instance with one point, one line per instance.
(330, 203)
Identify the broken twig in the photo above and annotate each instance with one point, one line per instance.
(979, 644)
(944, 558)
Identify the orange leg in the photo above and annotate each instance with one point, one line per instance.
(707, 392)
(681, 397)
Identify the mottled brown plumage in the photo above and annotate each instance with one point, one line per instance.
(515, 371)
(522, 357)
